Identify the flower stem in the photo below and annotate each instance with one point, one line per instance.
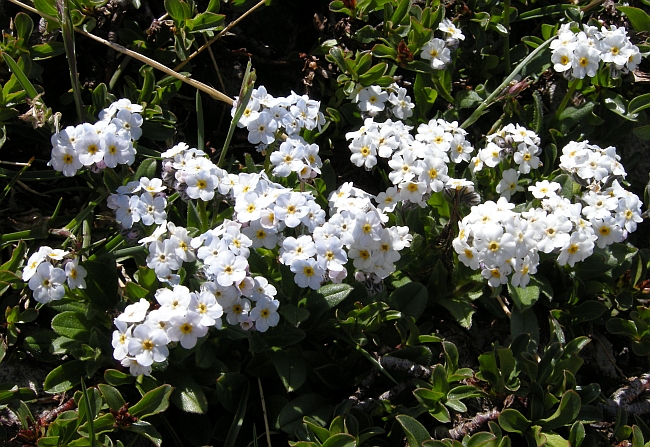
(506, 38)
(565, 101)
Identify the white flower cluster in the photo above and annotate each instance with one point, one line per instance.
(148, 207)
(372, 100)
(46, 277)
(263, 210)
(513, 143)
(578, 54)
(438, 51)
(190, 172)
(296, 155)
(419, 164)
(265, 115)
(358, 225)
(503, 243)
(106, 143)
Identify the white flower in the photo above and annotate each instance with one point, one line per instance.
(579, 247)
(265, 314)
(134, 313)
(301, 248)
(89, 148)
(75, 274)
(436, 52)
(65, 159)
(117, 150)
(129, 210)
(135, 368)
(162, 258)
(526, 159)
(372, 99)
(237, 310)
(128, 122)
(402, 105)
(186, 329)
(562, 59)
(32, 264)
(47, 283)
(173, 302)
(288, 158)
(364, 152)
(544, 189)
(450, 30)
(201, 185)
(148, 345)
(330, 254)
(228, 268)
(508, 184)
(120, 340)
(291, 208)
(308, 273)
(611, 49)
(607, 231)
(495, 275)
(387, 200)
(585, 61)
(262, 129)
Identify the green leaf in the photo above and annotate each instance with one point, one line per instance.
(135, 291)
(117, 378)
(524, 297)
(576, 434)
(340, 440)
(314, 405)
(320, 432)
(410, 299)
(188, 395)
(427, 397)
(326, 298)
(72, 325)
(178, 10)
(24, 27)
(290, 368)
(207, 21)
(47, 7)
(639, 103)
(39, 345)
(146, 169)
(642, 132)
(112, 396)
(513, 421)
(153, 402)
(481, 439)
(524, 322)
(638, 18)
(565, 414)
(16, 258)
(22, 79)
(415, 432)
(64, 377)
(147, 430)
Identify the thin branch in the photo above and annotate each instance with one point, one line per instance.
(220, 35)
(266, 420)
(135, 55)
(474, 424)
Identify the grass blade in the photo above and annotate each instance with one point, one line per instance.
(67, 31)
(238, 420)
(244, 96)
